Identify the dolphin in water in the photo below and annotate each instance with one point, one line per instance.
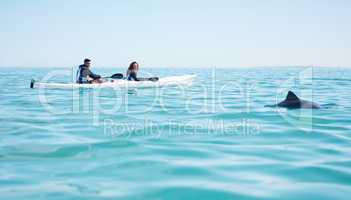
(294, 102)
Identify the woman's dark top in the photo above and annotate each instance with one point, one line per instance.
(132, 76)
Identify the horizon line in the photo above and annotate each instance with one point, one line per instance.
(193, 67)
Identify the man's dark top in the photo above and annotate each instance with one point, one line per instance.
(83, 73)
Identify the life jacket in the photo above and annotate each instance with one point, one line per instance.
(79, 78)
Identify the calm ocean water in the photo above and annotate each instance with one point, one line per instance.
(213, 140)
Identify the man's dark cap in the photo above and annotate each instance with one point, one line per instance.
(87, 60)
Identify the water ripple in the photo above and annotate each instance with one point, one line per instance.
(200, 143)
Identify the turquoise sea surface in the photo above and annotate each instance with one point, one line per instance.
(212, 140)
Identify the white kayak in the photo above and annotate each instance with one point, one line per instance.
(185, 80)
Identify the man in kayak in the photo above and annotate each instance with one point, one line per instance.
(84, 75)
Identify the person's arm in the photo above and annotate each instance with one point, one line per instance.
(93, 76)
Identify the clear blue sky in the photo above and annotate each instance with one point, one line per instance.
(178, 33)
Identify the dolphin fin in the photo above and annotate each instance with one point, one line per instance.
(291, 96)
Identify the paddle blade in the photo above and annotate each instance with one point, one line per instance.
(154, 79)
(117, 76)
(32, 83)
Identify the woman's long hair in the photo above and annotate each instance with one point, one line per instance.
(131, 68)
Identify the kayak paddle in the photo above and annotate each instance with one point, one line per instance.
(115, 76)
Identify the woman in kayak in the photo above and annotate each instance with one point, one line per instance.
(132, 72)
(85, 75)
